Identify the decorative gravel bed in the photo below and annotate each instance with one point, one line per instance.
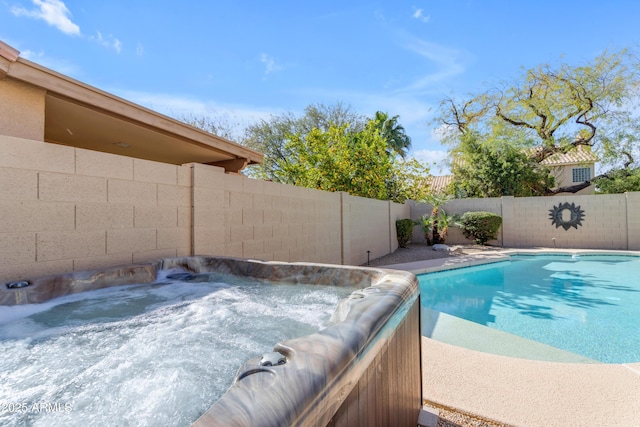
(456, 419)
(419, 252)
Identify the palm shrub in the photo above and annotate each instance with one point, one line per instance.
(437, 201)
(445, 221)
(480, 226)
(426, 223)
(436, 227)
(404, 230)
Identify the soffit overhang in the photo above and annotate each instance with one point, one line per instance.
(83, 116)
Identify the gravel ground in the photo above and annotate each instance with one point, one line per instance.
(455, 419)
(419, 252)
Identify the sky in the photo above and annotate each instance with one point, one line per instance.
(242, 61)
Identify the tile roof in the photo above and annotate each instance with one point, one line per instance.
(439, 184)
(580, 154)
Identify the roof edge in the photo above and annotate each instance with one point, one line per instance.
(8, 52)
(61, 85)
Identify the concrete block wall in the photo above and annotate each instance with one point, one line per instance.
(242, 217)
(459, 207)
(604, 225)
(366, 228)
(610, 221)
(66, 209)
(396, 211)
(633, 220)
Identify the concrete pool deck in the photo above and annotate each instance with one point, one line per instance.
(523, 392)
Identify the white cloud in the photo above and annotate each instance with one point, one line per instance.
(419, 15)
(437, 159)
(443, 132)
(448, 62)
(139, 49)
(110, 42)
(269, 64)
(53, 12)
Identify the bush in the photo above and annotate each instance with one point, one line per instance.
(404, 230)
(480, 226)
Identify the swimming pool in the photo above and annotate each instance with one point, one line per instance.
(587, 304)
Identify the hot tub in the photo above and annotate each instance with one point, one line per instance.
(363, 368)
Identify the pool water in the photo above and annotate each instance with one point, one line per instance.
(145, 355)
(588, 304)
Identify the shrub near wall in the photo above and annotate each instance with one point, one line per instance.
(480, 226)
(404, 229)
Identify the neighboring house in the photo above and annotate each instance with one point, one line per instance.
(573, 168)
(568, 169)
(439, 184)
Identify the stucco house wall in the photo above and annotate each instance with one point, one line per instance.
(563, 175)
(21, 110)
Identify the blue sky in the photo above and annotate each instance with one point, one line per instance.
(245, 60)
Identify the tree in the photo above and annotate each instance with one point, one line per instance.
(219, 125)
(557, 109)
(332, 148)
(270, 137)
(493, 168)
(338, 160)
(407, 179)
(618, 181)
(394, 133)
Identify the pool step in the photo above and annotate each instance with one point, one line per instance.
(463, 333)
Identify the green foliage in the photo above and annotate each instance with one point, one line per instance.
(407, 180)
(556, 109)
(437, 201)
(392, 132)
(337, 160)
(270, 137)
(480, 226)
(446, 221)
(334, 149)
(426, 223)
(494, 168)
(435, 225)
(619, 181)
(404, 230)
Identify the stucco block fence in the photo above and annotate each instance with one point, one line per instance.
(609, 221)
(64, 209)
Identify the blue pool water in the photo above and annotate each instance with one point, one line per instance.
(588, 305)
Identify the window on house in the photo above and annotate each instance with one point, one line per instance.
(581, 174)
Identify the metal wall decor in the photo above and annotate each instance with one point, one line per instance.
(574, 221)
